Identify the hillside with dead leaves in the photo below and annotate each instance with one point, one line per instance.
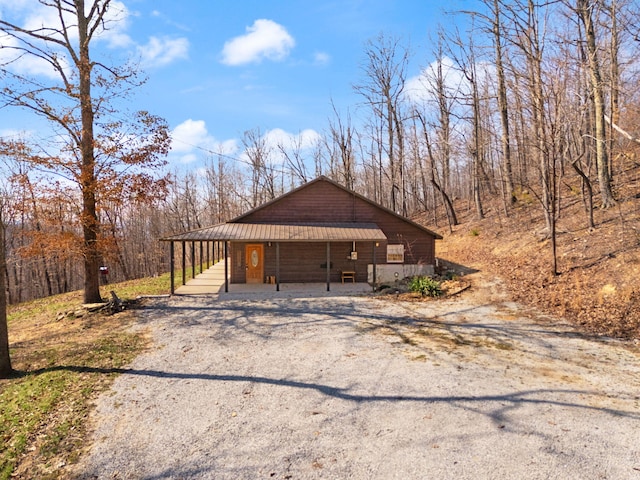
(598, 285)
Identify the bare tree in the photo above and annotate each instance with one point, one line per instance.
(491, 24)
(529, 37)
(614, 60)
(220, 188)
(341, 136)
(263, 172)
(584, 9)
(294, 160)
(450, 211)
(467, 64)
(383, 91)
(503, 104)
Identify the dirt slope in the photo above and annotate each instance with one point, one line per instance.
(598, 286)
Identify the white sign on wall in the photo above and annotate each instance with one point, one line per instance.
(395, 253)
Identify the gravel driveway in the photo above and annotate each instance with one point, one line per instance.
(472, 387)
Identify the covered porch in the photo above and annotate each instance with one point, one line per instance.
(211, 282)
(280, 239)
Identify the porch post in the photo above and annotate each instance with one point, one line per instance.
(201, 262)
(184, 262)
(328, 266)
(226, 267)
(193, 259)
(172, 266)
(374, 267)
(277, 266)
(208, 257)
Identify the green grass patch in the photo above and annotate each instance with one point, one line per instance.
(130, 289)
(158, 285)
(26, 404)
(50, 306)
(62, 365)
(43, 410)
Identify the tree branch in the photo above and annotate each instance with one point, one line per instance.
(621, 131)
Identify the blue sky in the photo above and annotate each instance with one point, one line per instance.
(218, 68)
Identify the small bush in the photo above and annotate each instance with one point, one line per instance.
(450, 276)
(426, 286)
(474, 232)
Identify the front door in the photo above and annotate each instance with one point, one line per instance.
(255, 263)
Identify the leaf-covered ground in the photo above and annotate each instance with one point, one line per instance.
(598, 284)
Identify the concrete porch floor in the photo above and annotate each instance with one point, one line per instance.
(211, 282)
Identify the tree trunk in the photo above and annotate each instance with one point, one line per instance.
(391, 153)
(505, 140)
(587, 194)
(399, 127)
(450, 211)
(546, 162)
(5, 360)
(475, 154)
(615, 79)
(90, 224)
(604, 178)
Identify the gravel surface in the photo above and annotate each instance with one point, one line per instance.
(472, 387)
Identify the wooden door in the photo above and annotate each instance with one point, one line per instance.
(254, 257)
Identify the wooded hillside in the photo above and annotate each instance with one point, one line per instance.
(597, 285)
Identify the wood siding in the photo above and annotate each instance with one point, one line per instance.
(306, 262)
(323, 201)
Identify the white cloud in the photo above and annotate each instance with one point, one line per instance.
(188, 135)
(273, 141)
(13, 134)
(264, 39)
(29, 64)
(420, 88)
(159, 52)
(227, 147)
(277, 139)
(289, 141)
(111, 29)
(188, 158)
(321, 58)
(39, 16)
(117, 21)
(30, 16)
(191, 141)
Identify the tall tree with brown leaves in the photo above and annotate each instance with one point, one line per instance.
(79, 96)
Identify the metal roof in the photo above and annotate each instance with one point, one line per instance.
(270, 232)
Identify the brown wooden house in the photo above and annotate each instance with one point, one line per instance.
(320, 232)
